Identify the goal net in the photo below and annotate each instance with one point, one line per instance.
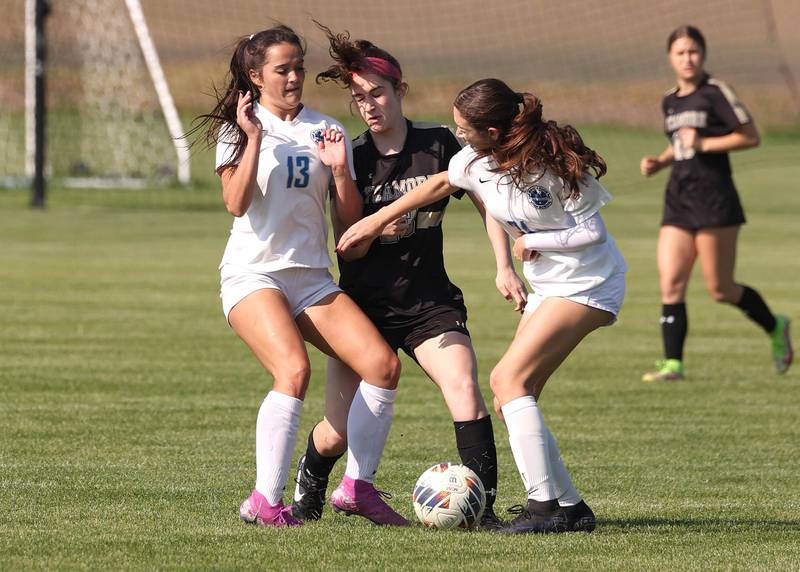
(591, 63)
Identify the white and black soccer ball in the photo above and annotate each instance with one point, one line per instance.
(449, 496)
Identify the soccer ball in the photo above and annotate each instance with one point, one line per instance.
(449, 496)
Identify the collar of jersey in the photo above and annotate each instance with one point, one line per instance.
(265, 115)
(409, 127)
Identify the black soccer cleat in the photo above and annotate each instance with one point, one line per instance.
(309, 494)
(490, 521)
(536, 518)
(580, 518)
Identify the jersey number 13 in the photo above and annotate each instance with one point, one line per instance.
(298, 171)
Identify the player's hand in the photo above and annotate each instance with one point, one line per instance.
(246, 117)
(398, 227)
(368, 228)
(512, 288)
(521, 253)
(649, 166)
(332, 150)
(689, 138)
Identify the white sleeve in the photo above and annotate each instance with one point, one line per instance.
(587, 233)
(226, 146)
(593, 196)
(457, 169)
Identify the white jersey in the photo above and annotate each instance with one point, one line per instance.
(285, 224)
(537, 207)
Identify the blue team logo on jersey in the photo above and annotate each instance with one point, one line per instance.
(316, 135)
(539, 197)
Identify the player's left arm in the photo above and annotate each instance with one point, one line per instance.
(742, 137)
(333, 152)
(727, 108)
(587, 233)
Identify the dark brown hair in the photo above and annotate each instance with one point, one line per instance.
(349, 57)
(250, 53)
(687, 32)
(527, 145)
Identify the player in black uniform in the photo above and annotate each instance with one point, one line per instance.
(704, 120)
(399, 280)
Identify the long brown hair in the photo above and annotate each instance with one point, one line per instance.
(250, 53)
(527, 145)
(349, 57)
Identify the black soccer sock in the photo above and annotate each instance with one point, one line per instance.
(475, 442)
(317, 464)
(755, 308)
(674, 326)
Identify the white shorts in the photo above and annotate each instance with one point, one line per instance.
(303, 287)
(607, 296)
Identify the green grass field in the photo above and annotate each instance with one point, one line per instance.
(127, 406)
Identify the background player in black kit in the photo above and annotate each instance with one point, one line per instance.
(399, 280)
(702, 213)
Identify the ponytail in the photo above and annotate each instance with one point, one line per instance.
(527, 145)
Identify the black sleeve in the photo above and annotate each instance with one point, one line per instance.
(727, 107)
(451, 147)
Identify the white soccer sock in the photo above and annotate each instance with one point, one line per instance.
(565, 490)
(276, 434)
(368, 427)
(527, 434)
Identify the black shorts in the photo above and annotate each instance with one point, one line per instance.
(433, 322)
(694, 203)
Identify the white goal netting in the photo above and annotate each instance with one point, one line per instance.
(591, 63)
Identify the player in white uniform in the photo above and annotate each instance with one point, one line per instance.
(535, 180)
(278, 162)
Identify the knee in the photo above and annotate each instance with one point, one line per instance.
(722, 294)
(672, 290)
(386, 371)
(502, 381)
(292, 378)
(464, 388)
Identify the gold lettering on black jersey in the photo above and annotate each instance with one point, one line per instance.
(697, 119)
(393, 190)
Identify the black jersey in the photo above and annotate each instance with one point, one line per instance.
(402, 277)
(713, 110)
(700, 191)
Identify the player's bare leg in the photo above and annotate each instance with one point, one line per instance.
(264, 322)
(449, 360)
(676, 255)
(336, 326)
(327, 442)
(541, 344)
(717, 252)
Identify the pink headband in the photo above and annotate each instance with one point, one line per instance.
(382, 67)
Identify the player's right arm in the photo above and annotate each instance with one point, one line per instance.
(239, 180)
(435, 188)
(652, 165)
(507, 281)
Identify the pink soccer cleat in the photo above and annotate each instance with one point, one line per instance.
(256, 510)
(354, 496)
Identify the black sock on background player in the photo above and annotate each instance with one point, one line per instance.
(755, 308)
(674, 327)
(475, 442)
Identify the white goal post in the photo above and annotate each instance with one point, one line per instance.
(102, 139)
